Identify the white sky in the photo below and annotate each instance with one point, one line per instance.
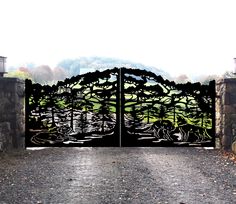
(179, 36)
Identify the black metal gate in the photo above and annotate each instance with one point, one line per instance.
(120, 107)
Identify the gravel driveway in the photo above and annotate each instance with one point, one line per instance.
(117, 175)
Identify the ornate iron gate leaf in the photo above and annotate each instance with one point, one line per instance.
(157, 112)
(81, 111)
(120, 107)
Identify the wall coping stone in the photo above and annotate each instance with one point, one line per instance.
(226, 80)
(10, 79)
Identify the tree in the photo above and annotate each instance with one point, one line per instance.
(135, 120)
(182, 79)
(59, 74)
(19, 74)
(71, 66)
(42, 74)
(205, 79)
(82, 122)
(105, 116)
(52, 102)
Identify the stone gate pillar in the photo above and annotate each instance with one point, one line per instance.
(12, 114)
(226, 112)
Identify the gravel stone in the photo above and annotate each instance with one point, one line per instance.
(117, 175)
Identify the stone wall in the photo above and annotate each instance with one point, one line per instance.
(226, 112)
(12, 114)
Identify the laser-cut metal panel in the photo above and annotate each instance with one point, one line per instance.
(158, 112)
(81, 111)
(120, 107)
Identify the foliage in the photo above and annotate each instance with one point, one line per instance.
(19, 74)
(182, 79)
(42, 74)
(59, 74)
(205, 79)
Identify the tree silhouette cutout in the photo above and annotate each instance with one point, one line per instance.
(135, 120)
(82, 122)
(105, 116)
(130, 99)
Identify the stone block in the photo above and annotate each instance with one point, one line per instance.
(218, 114)
(5, 136)
(217, 143)
(232, 97)
(12, 113)
(218, 130)
(233, 117)
(231, 86)
(226, 98)
(229, 109)
(226, 142)
(234, 147)
(218, 123)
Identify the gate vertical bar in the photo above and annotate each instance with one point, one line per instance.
(118, 108)
(213, 87)
(122, 107)
(27, 111)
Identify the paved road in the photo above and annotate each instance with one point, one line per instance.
(117, 175)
